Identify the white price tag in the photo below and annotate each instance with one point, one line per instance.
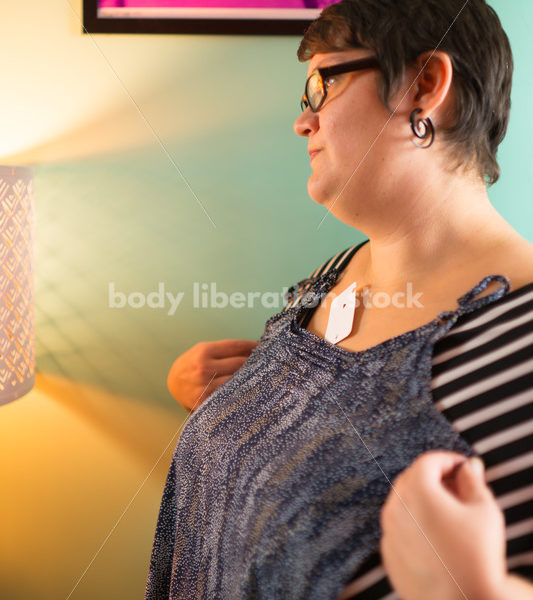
(341, 314)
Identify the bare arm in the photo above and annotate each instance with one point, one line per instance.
(204, 367)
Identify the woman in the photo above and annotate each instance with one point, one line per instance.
(278, 482)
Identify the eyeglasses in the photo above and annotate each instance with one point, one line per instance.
(316, 86)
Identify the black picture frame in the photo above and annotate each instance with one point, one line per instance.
(93, 23)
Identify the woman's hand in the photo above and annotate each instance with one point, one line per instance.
(444, 535)
(204, 367)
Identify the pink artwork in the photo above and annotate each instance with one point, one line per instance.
(259, 17)
(270, 4)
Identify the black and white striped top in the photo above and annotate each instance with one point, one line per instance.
(482, 381)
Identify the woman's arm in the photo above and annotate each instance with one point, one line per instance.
(444, 534)
(205, 367)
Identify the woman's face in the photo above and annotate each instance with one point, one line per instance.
(351, 137)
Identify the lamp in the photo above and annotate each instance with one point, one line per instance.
(17, 352)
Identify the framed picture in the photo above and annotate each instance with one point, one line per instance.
(253, 17)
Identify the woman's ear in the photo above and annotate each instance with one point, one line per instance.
(433, 81)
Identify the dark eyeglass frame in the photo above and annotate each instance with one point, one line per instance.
(369, 62)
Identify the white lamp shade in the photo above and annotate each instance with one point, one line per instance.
(17, 348)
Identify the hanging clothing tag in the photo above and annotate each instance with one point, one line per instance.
(341, 313)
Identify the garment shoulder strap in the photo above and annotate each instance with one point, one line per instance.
(338, 262)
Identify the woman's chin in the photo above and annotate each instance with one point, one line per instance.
(319, 194)
(325, 199)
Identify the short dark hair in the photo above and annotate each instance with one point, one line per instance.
(398, 31)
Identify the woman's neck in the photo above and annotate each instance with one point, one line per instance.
(430, 230)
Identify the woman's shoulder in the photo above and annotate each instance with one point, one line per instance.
(514, 260)
(517, 264)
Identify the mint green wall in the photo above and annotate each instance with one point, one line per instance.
(111, 208)
(127, 217)
(512, 195)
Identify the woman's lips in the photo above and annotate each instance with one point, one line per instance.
(313, 153)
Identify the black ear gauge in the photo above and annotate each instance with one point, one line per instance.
(423, 129)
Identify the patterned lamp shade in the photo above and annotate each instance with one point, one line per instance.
(17, 351)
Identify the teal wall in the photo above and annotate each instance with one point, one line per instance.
(513, 195)
(128, 217)
(105, 121)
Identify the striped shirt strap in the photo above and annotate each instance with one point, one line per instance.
(338, 261)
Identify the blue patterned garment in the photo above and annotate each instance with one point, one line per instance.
(277, 481)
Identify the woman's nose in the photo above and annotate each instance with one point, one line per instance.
(306, 123)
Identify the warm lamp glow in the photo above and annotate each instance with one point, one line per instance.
(17, 353)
